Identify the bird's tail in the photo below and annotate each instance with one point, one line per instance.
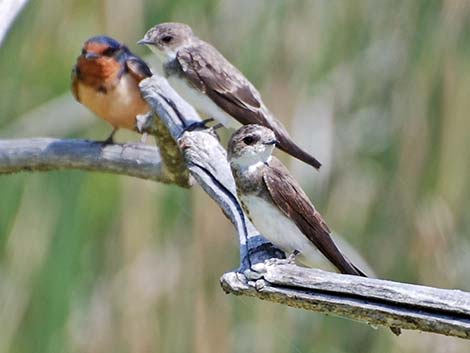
(348, 268)
(290, 147)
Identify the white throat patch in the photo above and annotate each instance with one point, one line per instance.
(252, 161)
(162, 56)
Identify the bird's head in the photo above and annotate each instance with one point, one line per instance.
(165, 39)
(102, 47)
(101, 57)
(250, 145)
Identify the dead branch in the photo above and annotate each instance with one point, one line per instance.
(372, 301)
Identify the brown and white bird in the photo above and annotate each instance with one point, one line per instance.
(106, 80)
(276, 204)
(216, 88)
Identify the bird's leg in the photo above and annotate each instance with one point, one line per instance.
(199, 125)
(110, 139)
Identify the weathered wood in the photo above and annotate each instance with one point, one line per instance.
(207, 162)
(373, 301)
(175, 114)
(44, 154)
(455, 301)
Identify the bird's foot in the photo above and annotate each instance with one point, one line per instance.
(109, 140)
(199, 125)
(290, 260)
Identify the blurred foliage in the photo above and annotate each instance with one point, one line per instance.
(379, 90)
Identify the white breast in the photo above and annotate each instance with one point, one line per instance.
(282, 231)
(202, 102)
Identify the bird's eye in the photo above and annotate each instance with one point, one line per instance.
(250, 139)
(167, 39)
(83, 51)
(109, 51)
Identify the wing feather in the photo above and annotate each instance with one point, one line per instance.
(138, 68)
(208, 71)
(211, 73)
(287, 194)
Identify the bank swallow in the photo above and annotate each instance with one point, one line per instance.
(209, 82)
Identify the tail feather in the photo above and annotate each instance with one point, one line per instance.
(348, 268)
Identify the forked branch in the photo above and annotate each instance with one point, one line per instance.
(372, 301)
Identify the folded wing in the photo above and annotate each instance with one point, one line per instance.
(287, 194)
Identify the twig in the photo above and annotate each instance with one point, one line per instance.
(371, 301)
(43, 154)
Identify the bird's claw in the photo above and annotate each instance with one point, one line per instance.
(290, 260)
(108, 141)
(198, 125)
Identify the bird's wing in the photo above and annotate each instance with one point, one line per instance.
(138, 68)
(74, 85)
(289, 197)
(207, 70)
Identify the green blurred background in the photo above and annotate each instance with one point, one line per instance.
(379, 90)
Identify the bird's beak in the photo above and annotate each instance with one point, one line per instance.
(91, 56)
(145, 42)
(272, 142)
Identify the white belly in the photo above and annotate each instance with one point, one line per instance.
(202, 103)
(283, 232)
(118, 106)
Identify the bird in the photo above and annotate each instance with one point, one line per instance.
(106, 79)
(276, 204)
(216, 88)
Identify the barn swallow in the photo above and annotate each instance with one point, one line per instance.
(106, 80)
(276, 204)
(217, 89)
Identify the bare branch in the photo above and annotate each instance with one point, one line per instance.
(42, 154)
(372, 301)
(207, 161)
